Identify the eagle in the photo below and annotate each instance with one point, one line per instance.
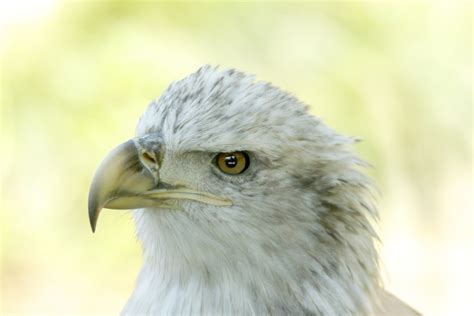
(245, 204)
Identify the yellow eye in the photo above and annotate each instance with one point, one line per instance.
(233, 163)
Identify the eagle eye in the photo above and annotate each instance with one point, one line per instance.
(233, 163)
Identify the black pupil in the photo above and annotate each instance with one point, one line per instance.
(230, 161)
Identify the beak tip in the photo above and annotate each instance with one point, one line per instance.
(93, 216)
(92, 221)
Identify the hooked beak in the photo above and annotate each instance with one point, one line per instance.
(127, 180)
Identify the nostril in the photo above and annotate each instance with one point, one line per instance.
(148, 157)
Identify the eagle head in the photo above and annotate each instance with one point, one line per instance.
(244, 203)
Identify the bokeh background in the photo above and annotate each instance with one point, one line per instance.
(76, 76)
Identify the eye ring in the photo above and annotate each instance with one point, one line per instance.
(233, 163)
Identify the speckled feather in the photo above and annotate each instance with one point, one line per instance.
(299, 237)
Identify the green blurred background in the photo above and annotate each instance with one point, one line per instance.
(76, 76)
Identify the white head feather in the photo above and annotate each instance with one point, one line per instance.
(298, 238)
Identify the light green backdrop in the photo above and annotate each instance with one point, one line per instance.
(76, 77)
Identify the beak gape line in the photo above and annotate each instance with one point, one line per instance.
(123, 181)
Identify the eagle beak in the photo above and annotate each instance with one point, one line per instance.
(126, 179)
(118, 181)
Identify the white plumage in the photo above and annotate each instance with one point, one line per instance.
(292, 234)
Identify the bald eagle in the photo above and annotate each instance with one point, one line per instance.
(245, 204)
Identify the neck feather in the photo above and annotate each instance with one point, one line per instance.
(329, 267)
